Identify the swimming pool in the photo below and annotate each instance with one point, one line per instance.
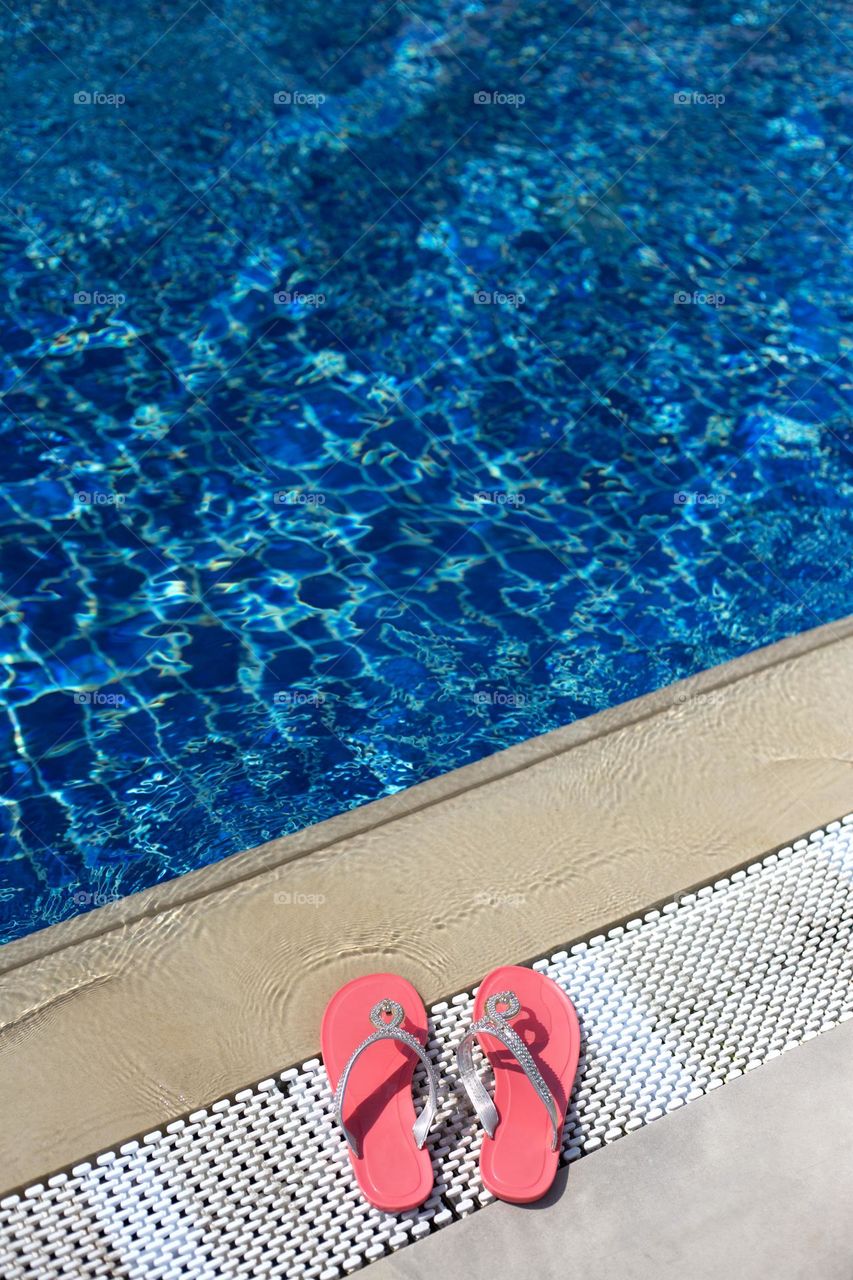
(384, 385)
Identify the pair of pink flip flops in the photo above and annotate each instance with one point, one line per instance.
(528, 1028)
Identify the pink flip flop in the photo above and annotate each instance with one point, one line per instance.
(534, 1060)
(384, 1014)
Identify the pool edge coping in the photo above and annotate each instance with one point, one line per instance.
(154, 1015)
(552, 949)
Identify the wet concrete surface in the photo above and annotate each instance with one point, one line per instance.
(143, 1011)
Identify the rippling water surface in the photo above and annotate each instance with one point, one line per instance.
(385, 384)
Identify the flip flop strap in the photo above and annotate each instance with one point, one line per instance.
(392, 1030)
(496, 1024)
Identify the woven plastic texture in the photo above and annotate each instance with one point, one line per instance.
(672, 1005)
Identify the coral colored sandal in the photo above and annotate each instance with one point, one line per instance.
(373, 1090)
(534, 1060)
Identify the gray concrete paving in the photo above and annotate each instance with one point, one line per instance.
(754, 1181)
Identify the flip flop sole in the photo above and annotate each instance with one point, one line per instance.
(392, 1173)
(518, 1164)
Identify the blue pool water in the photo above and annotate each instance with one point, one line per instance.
(383, 385)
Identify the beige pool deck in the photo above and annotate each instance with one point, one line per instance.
(114, 1022)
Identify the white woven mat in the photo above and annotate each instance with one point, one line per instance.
(672, 1005)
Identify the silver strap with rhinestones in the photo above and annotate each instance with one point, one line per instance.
(391, 1030)
(496, 1023)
